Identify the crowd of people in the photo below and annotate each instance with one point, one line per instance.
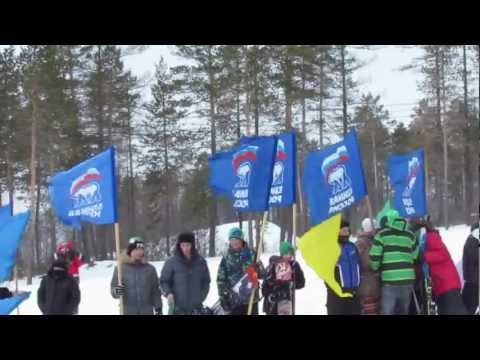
(388, 270)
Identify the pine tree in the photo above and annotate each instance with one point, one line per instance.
(165, 142)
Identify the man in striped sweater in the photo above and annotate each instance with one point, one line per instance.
(394, 253)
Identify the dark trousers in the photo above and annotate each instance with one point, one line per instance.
(450, 303)
(243, 310)
(77, 280)
(470, 297)
(337, 305)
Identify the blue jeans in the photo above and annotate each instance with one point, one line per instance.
(396, 299)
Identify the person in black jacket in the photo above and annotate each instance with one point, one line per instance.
(58, 293)
(470, 271)
(283, 276)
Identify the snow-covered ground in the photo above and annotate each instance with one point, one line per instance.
(95, 281)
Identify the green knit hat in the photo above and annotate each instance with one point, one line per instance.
(285, 248)
(236, 233)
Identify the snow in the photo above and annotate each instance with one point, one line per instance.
(95, 281)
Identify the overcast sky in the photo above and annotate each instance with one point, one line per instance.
(398, 89)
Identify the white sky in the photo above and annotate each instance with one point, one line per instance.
(397, 89)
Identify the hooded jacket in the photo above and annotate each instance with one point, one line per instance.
(187, 280)
(58, 293)
(142, 292)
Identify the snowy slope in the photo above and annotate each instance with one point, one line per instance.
(95, 281)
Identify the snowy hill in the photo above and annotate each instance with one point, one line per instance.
(95, 281)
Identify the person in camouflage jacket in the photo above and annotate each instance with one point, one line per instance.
(233, 267)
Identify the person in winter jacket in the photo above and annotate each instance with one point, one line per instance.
(347, 273)
(58, 293)
(233, 267)
(446, 285)
(470, 270)
(283, 276)
(185, 278)
(140, 287)
(369, 290)
(68, 253)
(73, 258)
(394, 253)
(5, 293)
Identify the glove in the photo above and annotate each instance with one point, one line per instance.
(158, 311)
(119, 290)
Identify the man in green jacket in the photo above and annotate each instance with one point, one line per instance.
(394, 253)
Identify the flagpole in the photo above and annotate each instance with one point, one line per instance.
(119, 263)
(294, 231)
(257, 257)
(369, 210)
(15, 275)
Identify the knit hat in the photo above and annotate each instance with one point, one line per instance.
(367, 225)
(135, 242)
(236, 233)
(285, 248)
(344, 223)
(187, 237)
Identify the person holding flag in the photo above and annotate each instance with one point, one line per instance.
(283, 276)
(347, 274)
(140, 286)
(234, 266)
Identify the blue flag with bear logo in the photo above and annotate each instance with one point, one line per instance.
(87, 192)
(333, 178)
(282, 191)
(245, 173)
(407, 176)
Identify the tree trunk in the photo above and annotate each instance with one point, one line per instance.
(320, 108)
(445, 147)
(167, 183)
(37, 223)
(344, 89)
(465, 159)
(213, 201)
(131, 208)
(33, 181)
(375, 170)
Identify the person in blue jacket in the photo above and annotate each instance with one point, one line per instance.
(347, 273)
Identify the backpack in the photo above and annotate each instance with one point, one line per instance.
(348, 267)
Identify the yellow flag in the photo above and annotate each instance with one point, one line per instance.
(321, 250)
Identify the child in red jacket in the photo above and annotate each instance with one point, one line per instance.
(446, 286)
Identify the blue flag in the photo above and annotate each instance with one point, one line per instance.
(282, 191)
(87, 192)
(245, 173)
(5, 214)
(10, 235)
(333, 178)
(407, 176)
(9, 304)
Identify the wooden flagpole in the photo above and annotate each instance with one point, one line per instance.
(119, 263)
(15, 275)
(294, 231)
(369, 210)
(257, 257)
